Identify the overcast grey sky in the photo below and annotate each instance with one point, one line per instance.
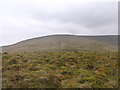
(24, 19)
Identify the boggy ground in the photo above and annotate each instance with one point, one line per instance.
(85, 69)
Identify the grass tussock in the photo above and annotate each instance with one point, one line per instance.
(60, 70)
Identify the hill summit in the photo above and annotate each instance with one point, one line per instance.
(65, 43)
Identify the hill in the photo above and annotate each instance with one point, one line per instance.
(65, 43)
(61, 61)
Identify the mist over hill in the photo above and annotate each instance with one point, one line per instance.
(65, 43)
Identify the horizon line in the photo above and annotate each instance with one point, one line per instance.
(57, 35)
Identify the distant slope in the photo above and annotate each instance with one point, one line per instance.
(65, 43)
(110, 39)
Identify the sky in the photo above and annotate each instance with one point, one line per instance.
(24, 19)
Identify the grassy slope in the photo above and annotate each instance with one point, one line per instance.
(110, 39)
(65, 43)
(86, 69)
